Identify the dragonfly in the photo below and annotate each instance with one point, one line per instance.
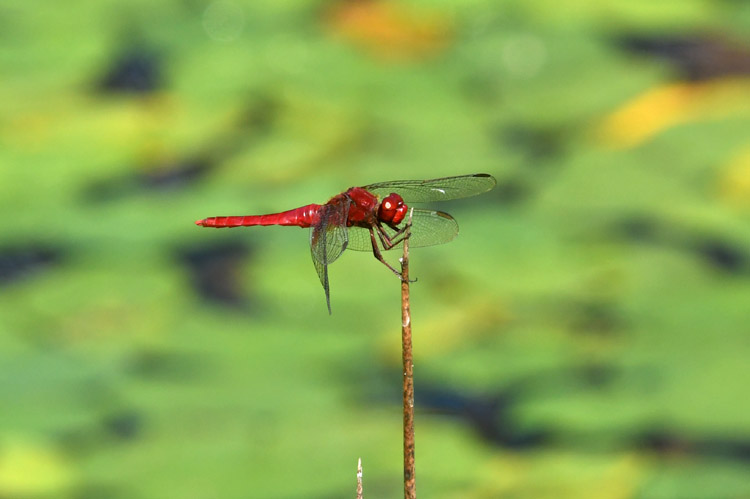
(371, 218)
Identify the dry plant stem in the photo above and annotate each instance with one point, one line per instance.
(359, 478)
(408, 364)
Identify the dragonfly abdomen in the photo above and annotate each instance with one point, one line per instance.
(304, 216)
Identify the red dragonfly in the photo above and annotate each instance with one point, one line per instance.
(368, 218)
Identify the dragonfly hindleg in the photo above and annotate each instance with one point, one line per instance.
(389, 242)
(378, 254)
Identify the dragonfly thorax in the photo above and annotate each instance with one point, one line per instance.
(392, 209)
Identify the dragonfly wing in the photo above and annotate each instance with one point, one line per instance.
(428, 228)
(438, 189)
(328, 239)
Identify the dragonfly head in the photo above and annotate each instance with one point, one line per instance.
(392, 209)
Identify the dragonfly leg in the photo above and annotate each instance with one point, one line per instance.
(388, 243)
(397, 237)
(378, 255)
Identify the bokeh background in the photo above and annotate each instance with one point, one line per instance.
(586, 335)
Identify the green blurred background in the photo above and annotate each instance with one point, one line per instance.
(586, 335)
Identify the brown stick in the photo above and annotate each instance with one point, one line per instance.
(410, 491)
(359, 478)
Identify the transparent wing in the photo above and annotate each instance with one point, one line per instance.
(328, 239)
(428, 228)
(438, 189)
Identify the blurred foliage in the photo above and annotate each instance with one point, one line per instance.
(585, 336)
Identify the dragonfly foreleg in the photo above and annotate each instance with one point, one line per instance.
(393, 240)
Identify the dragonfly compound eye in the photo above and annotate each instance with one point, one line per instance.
(392, 209)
